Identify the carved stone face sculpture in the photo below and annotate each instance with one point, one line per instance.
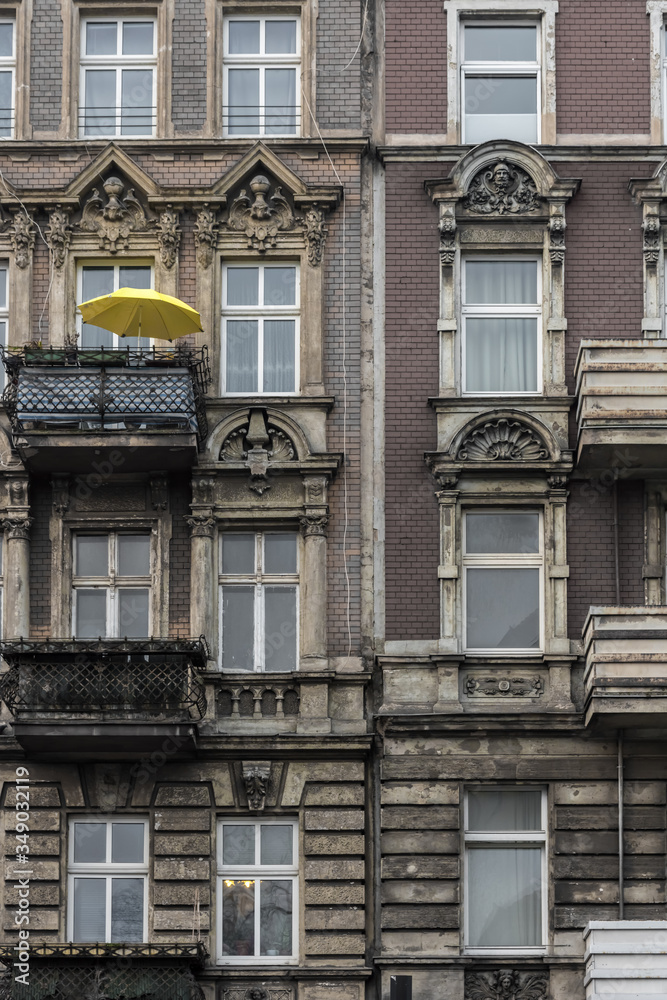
(502, 177)
(506, 986)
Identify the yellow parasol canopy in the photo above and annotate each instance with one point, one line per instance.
(141, 312)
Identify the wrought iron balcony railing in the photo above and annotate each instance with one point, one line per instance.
(155, 679)
(107, 389)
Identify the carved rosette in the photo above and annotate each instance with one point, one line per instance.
(262, 216)
(447, 240)
(22, 235)
(503, 687)
(17, 527)
(651, 230)
(314, 524)
(505, 984)
(315, 231)
(59, 234)
(256, 775)
(557, 239)
(115, 217)
(201, 525)
(503, 440)
(502, 189)
(206, 235)
(169, 236)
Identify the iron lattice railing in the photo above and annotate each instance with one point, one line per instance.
(104, 981)
(104, 387)
(156, 678)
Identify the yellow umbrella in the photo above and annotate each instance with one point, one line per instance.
(141, 312)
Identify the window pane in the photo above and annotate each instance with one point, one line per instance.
(500, 107)
(280, 552)
(505, 896)
(6, 40)
(280, 101)
(127, 843)
(498, 282)
(134, 277)
(276, 845)
(91, 613)
(95, 281)
(101, 38)
(500, 44)
(242, 355)
(238, 844)
(90, 842)
(238, 917)
(242, 286)
(275, 917)
(133, 613)
(238, 628)
(279, 355)
(99, 117)
(502, 533)
(137, 101)
(280, 628)
(6, 121)
(498, 811)
(138, 38)
(238, 553)
(243, 101)
(90, 909)
(280, 37)
(279, 286)
(243, 37)
(503, 608)
(134, 555)
(501, 354)
(127, 909)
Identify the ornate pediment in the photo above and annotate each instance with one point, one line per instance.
(503, 440)
(260, 212)
(502, 188)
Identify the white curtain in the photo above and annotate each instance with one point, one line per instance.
(241, 355)
(504, 896)
(280, 101)
(279, 355)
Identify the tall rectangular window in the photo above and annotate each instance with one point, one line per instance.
(260, 328)
(501, 321)
(257, 888)
(118, 77)
(259, 588)
(102, 279)
(112, 586)
(502, 585)
(7, 77)
(4, 312)
(505, 869)
(262, 58)
(500, 82)
(108, 874)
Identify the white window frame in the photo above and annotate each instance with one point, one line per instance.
(116, 265)
(256, 872)
(510, 838)
(262, 313)
(4, 316)
(501, 311)
(8, 64)
(117, 62)
(112, 583)
(107, 869)
(514, 69)
(503, 560)
(262, 61)
(261, 580)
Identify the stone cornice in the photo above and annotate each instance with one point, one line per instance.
(450, 154)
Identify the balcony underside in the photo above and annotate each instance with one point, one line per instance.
(69, 740)
(102, 453)
(629, 449)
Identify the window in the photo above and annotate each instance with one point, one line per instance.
(118, 63)
(7, 77)
(500, 82)
(257, 886)
(260, 328)
(503, 581)
(112, 586)
(505, 868)
(261, 76)
(259, 600)
(4, 312)
(2, 586)
(98, 279)
(108, 873)
(501, 313)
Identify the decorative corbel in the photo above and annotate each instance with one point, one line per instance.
(315, 231)
(651, 231)
(448, 240)
(169, 235)
(206, 234)
(59, 234)
(22, 235)
(258, 455)
(557, 227)
(256, 775)
(159, 487)
(60, 497)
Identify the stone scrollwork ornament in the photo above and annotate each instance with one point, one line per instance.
(201, 525)
(504, 687)
(169, 236)
(23, 238)
(314, 524)
(315, 230)
(651, 229)
(502, 189)
(505, 984)
(261, 217)
(557, 239)
(114, 220)
(206, 235)
(503, 441)
(17, 527)
(58, 235)
(256, 775)
(447, 240)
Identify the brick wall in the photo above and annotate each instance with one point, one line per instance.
(46, 66)
(338, 61)
(416, 66)
(179, 562)
(40, 559)
(188, 66)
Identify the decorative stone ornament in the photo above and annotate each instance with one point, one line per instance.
(59, 234)
(502, 189)
(557, 239)
(206, 232)
(503, 440)
(22, 235)
(651, 230)
(114, 219)
(503, 687)
(169, 236)
(262, 217)
(315, 232)
(505, 984)
(447, 228)
(256, 775)
(258, 445)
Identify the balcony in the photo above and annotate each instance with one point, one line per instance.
(625, 673)
(70, 971)
(115, 698)
(625, 959)
(69, 406)
(622, 406)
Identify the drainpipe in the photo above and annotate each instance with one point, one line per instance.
(621, 858)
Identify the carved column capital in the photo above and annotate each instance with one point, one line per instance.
(314, 524)
(17, 527)
(201, 525)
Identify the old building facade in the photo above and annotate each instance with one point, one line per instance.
(333, 635)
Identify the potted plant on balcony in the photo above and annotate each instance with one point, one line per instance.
(35, 354)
